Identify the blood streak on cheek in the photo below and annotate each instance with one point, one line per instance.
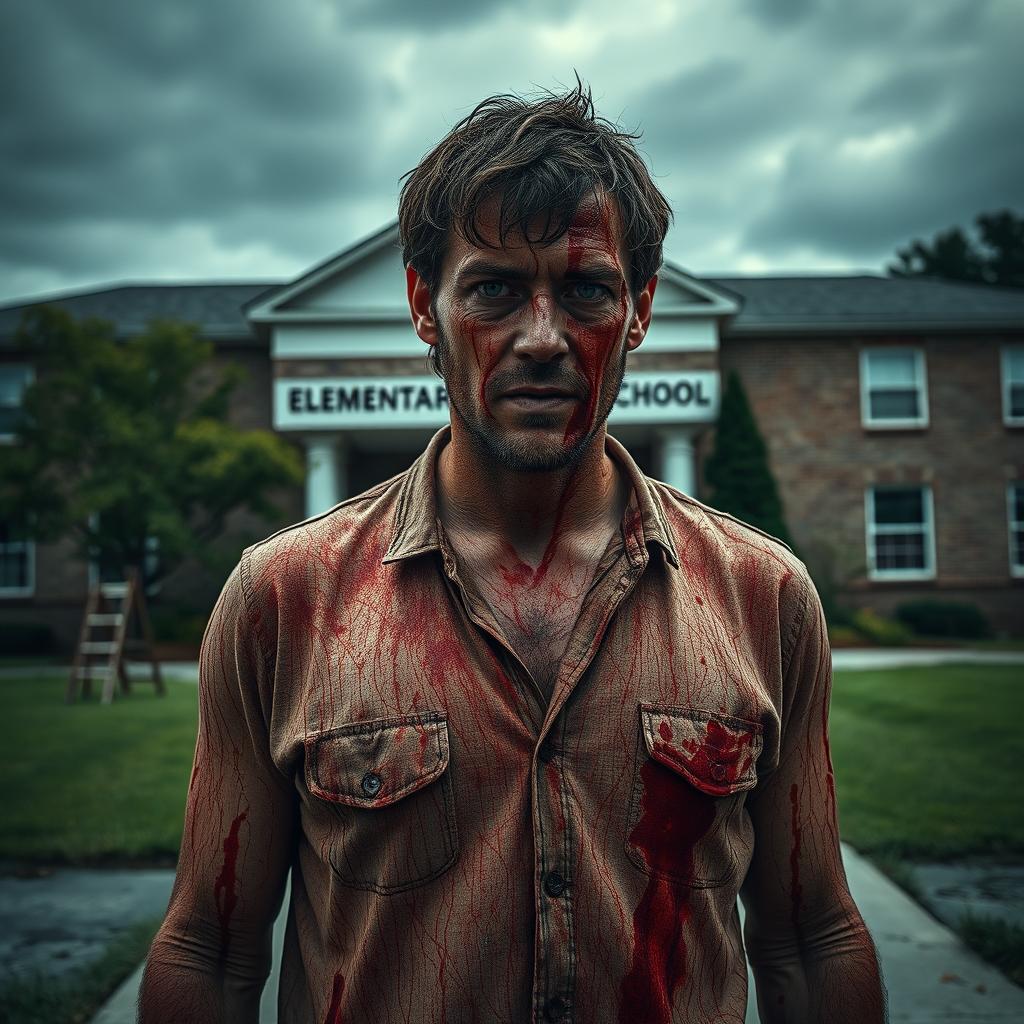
(486, 352)
(224, 895)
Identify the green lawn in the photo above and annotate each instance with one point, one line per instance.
(928, 760)
(86, 781)
(927, 765)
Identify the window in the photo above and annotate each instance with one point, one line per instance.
(900, 533)
(14, 378)
(1015, 519)
(17, 563)
(1013, 386)
(893, 392)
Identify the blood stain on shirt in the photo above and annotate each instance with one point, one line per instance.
(674, 817)
(225, 883)
(334, 1010)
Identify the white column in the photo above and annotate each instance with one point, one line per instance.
(325, 473)
(678, 459)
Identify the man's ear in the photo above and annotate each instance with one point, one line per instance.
(420, 307)
(641, 314)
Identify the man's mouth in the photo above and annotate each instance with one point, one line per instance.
(536, 395)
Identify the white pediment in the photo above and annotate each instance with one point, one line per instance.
(681, 294)
(366, 282)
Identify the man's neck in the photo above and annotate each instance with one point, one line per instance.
(535, 513)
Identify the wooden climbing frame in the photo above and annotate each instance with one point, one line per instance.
(103, 641)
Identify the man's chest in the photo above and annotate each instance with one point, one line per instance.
(538, 626)
(418, 643)
(423, 747)
(535, 611)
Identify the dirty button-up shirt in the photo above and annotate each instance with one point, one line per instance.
(464, 850)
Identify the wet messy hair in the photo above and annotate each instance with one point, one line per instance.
(544, 157)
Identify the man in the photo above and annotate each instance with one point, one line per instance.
(522, 721)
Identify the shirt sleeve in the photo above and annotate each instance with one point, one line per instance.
(240, 823)
(811, 953)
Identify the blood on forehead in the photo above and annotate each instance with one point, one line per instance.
(592, 231)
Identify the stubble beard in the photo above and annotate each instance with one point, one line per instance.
(525, 454)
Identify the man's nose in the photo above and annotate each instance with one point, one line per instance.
(542, 336)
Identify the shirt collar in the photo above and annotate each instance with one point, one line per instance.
(652, 526)
(417, 529)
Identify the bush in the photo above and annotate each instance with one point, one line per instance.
(944, 618)
(26, 638)
(176, 624)
(844, 636)
(878, 630)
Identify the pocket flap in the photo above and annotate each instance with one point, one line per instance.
(373, 764)
(717, 753)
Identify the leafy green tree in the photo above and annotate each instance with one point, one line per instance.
(738, 469)
(994, 256)
(123, 443)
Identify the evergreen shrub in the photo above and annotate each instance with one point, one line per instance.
(944, 618)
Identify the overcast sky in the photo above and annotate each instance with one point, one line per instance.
(222, 139)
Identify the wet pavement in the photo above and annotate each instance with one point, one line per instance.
(982, 889)
(52, 922)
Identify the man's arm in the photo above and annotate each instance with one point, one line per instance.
(812, 956)
(210, 959)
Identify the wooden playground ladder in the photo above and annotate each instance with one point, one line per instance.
(103, 640)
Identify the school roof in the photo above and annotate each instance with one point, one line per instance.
(768, 305)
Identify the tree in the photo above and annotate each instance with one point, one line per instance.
(996, 256)
(738, 470)
(123, 444)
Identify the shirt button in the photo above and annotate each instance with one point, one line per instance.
(372, 783)
(555, 1008)
(718, 772)
(554, 884)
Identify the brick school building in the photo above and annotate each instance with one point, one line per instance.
(893, 411)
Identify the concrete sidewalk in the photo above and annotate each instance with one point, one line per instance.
(907, 657)
(930, 976)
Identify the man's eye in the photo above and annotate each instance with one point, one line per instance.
(589, 291)
(492, 289)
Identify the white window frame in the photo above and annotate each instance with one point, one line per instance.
(1016, 568)
(1007, 382)
(871, 531)
(921, 381)
(30, 376)
(30, 570)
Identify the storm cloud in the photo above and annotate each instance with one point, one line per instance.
(221, 139)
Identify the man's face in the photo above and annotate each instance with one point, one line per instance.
(533, 340)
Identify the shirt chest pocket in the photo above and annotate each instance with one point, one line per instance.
(382, 801)
(693, 768)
